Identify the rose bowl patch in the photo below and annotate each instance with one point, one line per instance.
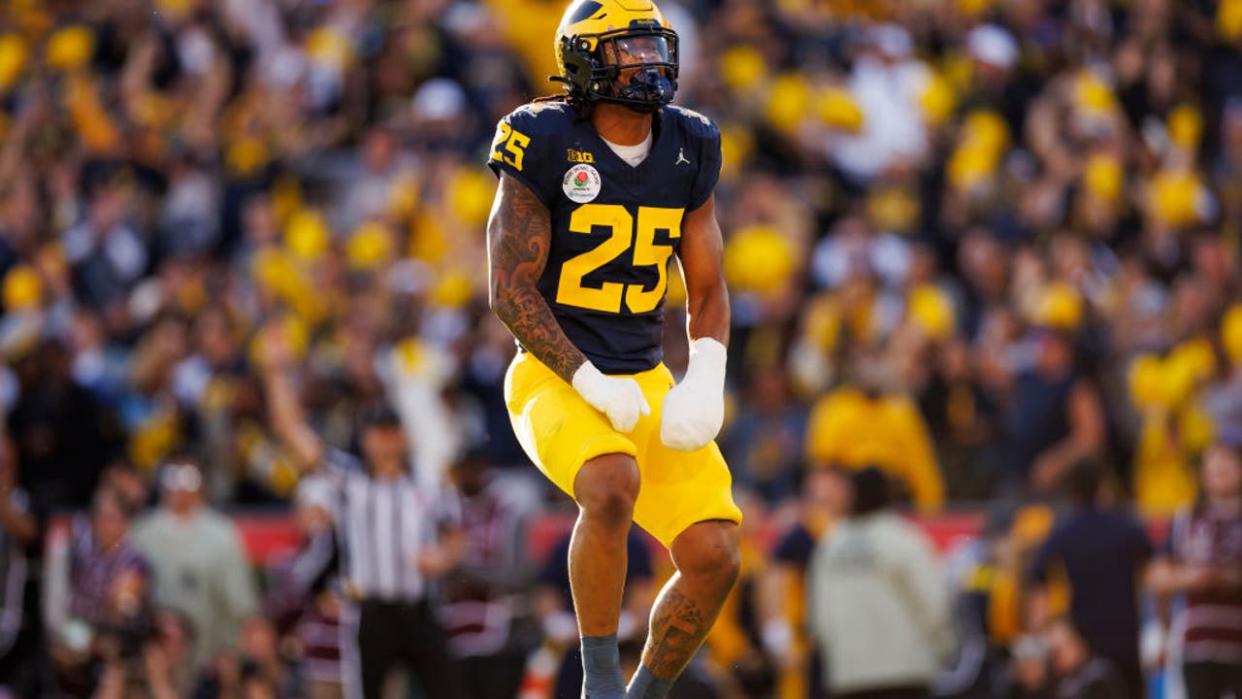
(581, 183)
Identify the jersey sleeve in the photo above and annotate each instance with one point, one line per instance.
(709, 167)
(521, 149)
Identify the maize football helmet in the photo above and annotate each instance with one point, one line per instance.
(620, 51)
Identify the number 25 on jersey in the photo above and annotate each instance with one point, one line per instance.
(622, 235)
(510, 146)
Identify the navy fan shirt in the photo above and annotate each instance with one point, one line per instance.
(614, 226)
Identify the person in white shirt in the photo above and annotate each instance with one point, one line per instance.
(199, 564)
(879, 606)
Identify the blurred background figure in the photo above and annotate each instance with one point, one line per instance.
(399, 534)
(879, 607)
(58, 430)
(1055, 419)
(302, 597)
(783, 585)
(487, 609)
(24, 657)
(210, 582)
(1076, 670)
(1029, 670)
(1100, 553)
(98, 594)
(1202, 562)
(865, 423)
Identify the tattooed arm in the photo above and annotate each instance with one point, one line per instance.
(519, 234)
(519, 237)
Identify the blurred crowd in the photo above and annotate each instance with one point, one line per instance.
(980, 252)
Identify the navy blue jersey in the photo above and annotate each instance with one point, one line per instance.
(614, 226)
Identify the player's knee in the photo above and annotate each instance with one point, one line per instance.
(606, 489)
(711, 553)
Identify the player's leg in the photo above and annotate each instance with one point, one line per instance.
(707, 560)
(605, 488)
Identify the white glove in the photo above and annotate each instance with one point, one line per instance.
(694, 409)
(620, 399)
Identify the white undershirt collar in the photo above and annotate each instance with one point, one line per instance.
(635, 154)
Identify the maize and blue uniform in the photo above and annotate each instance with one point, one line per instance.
(614, 229)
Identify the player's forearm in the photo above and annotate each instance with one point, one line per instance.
(528, 317)
(519, 237)
(709, 314)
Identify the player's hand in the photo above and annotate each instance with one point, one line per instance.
(694, 409)
(620, 399)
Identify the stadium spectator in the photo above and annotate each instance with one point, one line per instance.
(879, 607)
(261, 669)
(398, 536)
(886, 81)
(867, 423)
(23, 654)
(1203, 561)
(485, 598)
(1054, 418)
(58, 429)
(979, 570)
(1223, 400)
(160, 671)
(1078, 673)
(1102, 553)
(1028, 676)
(302, 599)
(98, 594)
(963, 417)
(210, 582)
(783, 586)
(765, 439)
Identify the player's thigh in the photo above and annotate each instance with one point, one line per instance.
(559, 431)
(680, 488)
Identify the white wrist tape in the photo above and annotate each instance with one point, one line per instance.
(694, 409)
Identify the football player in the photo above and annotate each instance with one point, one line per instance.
(599, 187)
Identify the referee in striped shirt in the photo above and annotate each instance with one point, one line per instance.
(395, 538)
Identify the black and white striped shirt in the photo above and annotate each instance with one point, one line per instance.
(383, 526)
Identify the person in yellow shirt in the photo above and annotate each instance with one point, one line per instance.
(862, 424)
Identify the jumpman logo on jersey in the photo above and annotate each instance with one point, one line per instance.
(681, 157)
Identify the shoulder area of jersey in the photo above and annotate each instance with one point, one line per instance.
(542, 117)
(693, 122)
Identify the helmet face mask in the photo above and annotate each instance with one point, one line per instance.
(635, 65)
